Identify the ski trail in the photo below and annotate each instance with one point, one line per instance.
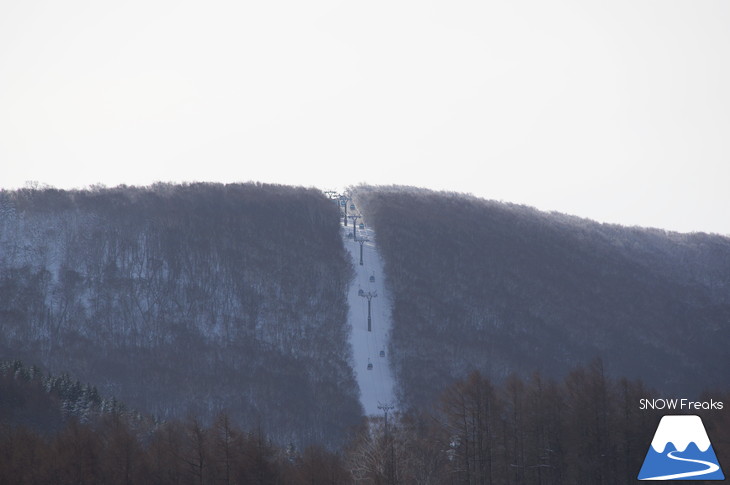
(712, 468)
(376, 385)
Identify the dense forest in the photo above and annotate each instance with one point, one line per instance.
(501, 288)
(587, 428)
(186, 299)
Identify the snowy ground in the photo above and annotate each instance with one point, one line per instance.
(376, 385)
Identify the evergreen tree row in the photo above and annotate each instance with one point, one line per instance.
(44, 402)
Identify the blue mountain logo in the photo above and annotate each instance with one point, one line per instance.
(681, 450)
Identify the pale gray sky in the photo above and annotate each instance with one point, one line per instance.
(618, 111)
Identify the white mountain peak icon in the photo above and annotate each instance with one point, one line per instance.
(681, 431)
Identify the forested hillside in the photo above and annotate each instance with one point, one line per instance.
(185, 299)
(501, 288)
(522, 341)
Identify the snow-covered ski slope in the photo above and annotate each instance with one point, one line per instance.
(376, 384)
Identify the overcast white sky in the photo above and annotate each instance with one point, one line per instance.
(614, 110)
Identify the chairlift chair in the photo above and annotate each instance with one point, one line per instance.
(382, 353)
(370, 365)
(362, 226)
(352, 207)
(372, 278)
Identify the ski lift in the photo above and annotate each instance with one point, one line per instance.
(360, 292)
(382, 353)
(370, 365)
(343, 203)
(362, 226)
(352, 207)
(372, 278)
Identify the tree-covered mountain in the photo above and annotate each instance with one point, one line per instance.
(502, 288)
(186, 299)
(205, 302)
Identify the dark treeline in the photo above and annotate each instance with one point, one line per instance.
(54, 429)
(177, 453)
(584, 429)
(185, 299)
(501, 288)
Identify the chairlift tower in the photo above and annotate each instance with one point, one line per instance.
(385, 408)
(390, 464)
(345, 199)
(369, 295)
(332, 195)
(354, 220)
(362, 241)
